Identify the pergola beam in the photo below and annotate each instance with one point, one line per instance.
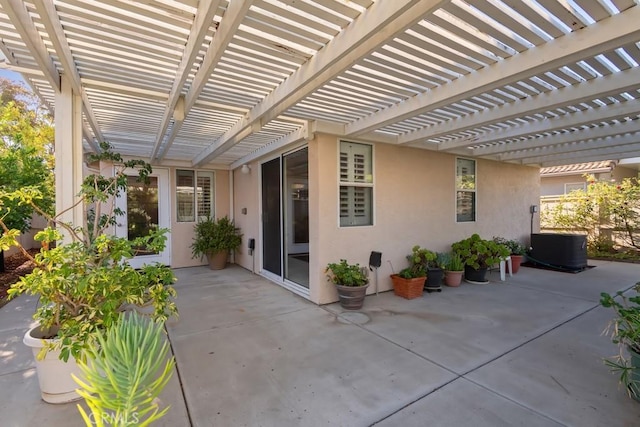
(49, 16)
(577, 119)
(19, 16)
(201, 23)
(600, 37)
(624, 146)
(305, 132)
(582, 92)
(381, 22)
(566, 143)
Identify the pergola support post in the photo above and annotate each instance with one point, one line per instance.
(68, 156)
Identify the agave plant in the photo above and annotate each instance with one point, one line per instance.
(124, 373)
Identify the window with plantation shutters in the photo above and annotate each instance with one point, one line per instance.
(465, 190)
(356, 184)
(194, 194)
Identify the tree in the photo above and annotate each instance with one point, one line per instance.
(602, 208)
(26, 153)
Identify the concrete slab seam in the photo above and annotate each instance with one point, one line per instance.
(177, 368)
(464, 375)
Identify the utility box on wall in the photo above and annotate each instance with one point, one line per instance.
(566, 251)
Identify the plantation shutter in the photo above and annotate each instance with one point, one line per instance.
(356, 198)
(205, 194)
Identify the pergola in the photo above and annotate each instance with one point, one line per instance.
(224, 82)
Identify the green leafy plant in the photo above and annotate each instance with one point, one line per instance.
(441, 259)
(624, 331)
(421, 258)
(454, 263)
(26, 153)
(479, 253)
(412, 273)
(346, 274)
(213, 236)
(514, 246)
(126, 370)
(84, 285)
(602, 207)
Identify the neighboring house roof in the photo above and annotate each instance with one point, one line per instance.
(225, 82)
(579, 168)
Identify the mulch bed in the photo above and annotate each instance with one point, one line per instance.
(16, 265)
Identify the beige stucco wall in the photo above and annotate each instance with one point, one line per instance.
(620, 173)
(182, 232)
(246, 194)
(414, 200)
(554, 185)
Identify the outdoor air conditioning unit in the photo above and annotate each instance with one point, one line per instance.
(563, 251)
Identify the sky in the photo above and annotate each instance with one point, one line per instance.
(7, 74)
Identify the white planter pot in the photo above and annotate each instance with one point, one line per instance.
(54, 375)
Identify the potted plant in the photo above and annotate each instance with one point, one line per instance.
(410, 281)
(478, 255)
(85, 284)
(351, 282)
(453, 270)
(517, 252)
(214, 239)
(624, 330)
(435, 273)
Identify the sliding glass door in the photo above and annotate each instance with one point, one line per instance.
(285, 218)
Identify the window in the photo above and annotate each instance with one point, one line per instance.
(194, 194)
(573, 186)
(465, 190)
(356, 184)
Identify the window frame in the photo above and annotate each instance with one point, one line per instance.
(474, 191)
(355, 184)
(583, 186)
(196, 173)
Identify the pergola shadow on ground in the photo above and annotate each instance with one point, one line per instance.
(527, 351)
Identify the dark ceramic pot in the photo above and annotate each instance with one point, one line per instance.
(475, 276)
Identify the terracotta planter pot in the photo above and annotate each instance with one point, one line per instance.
(352, 297)
(516, 260)
(453, 278)
(217, 260)
(54, 375)
(407, 288)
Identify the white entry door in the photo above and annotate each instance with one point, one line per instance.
(146, 207)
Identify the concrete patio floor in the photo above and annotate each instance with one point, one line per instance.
(527, 352)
